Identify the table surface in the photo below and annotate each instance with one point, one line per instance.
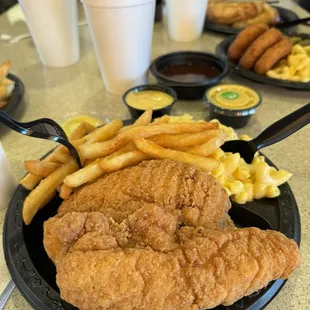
(78, 89)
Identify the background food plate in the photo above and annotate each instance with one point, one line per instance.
(221, 51)
(17, 95)
(285, 16)
(34, 273)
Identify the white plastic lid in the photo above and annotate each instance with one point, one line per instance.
(115, 3)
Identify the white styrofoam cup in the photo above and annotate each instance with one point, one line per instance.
(122, 32)
(54, 28)
(186, 19)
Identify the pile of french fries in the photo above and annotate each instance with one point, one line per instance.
(6, 85)
(114, 147)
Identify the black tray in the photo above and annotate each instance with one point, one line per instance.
(285, 16)
(34, 273)
(17, 95)
(221, 51)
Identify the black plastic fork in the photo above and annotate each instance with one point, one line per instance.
(43, 128)
(271, 135)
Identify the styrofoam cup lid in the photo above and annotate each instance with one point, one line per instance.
(115, 3)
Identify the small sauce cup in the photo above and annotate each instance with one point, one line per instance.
(232, 105)
(158, 97)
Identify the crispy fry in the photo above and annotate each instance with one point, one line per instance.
(7, 82)
(30, 181)
(187, 140)
(4, 70)
(65, 191)
(59, 156)
(3, 104)
(87, 174)
(207, 148)
(4, 92)
(105, 132)
(40, 168)
(153, 150)
(122, 161)
(45, 190)
(101, 149)
(161, 120)
(144, 120)
(82, 130)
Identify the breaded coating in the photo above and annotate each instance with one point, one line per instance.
(243, 40)
(258, 47)
(194, 197)
(206, 268)
(231, 12)
(273, 54)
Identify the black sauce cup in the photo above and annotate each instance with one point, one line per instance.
(135, 113)
(190, 90)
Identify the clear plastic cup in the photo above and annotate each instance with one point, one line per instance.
(186, 19)
(54, 29)
(122, 32)
(8, 181)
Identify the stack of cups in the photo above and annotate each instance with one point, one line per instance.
(122, 33)
(54, 29)
(7, 180)
(186, 19)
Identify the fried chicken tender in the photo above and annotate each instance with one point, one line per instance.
(243, 40)
(101, 266)
(269, 16)
(231, 12)
(193, 197)
(258, 47)
(272, 55)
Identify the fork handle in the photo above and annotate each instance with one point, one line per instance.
(283, 127)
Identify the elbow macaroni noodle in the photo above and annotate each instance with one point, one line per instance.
(295, 67)
(244, 182)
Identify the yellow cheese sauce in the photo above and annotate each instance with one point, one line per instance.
(144, 99)
(233, 97)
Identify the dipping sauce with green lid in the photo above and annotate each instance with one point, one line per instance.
(232, 104)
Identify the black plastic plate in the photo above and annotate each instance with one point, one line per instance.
(17, 95)
(285, 16)
(35, 274)
(221, 51)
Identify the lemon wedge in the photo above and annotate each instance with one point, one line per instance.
(70, 125)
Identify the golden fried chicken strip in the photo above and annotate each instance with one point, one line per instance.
(231, 12)
(208, 268)
(195, 197)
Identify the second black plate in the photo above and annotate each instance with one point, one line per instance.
(17, 95)
(221, 51)
(285, 16)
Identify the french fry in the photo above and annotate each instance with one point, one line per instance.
(40, 168)
(3, 104)
(60, 156)
(87, 174)
(101, 149)
(105, 132)
(155, 151)
(186, 140)
(4, 92)
(65, 191)
(30, 181)
(122, 161)
(143, 120)
(207, 148)
(4, 70)
(45, 190)
(82, 130)
(7, 82)
(161, 120)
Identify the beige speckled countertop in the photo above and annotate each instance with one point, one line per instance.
(63, 93)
